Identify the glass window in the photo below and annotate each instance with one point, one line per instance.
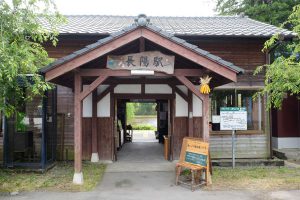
(237, 98)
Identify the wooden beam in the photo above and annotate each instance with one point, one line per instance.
(189, 54)
(143, 90)
(121, 73)
(94, 123)
(114, 80)
(105, 92)
(190, 86)
(92, 86)
(205, 117)
(77, 124)
(190, 115)
(178, 91)
(142, 44)
(98, 52)
(144, 96)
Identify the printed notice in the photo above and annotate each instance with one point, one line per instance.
(233, 118)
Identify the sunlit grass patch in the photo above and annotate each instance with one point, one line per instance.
(57, 179)
(256, 178)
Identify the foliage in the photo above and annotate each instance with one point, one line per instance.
(21, 50)
(145, 108)
(130, 111)
(143, 127)
(21, 126)
(133, 109)
(273, 12)
(57, 179)
(283, 75)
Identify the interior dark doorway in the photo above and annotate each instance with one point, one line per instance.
(140, 137)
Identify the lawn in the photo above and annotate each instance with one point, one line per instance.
(256, 178)
(58, 178)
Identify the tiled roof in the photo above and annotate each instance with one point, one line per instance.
(154, 29)
(204, 26)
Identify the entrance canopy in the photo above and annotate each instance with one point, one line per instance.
(90, 66)
(190, 61)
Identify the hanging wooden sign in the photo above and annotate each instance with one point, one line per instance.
(148, 60)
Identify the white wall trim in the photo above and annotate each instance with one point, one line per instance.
(197, 106)
(128, 88)
(181, 107)
(158, 89)
(285, 142)
(183, 88)
(103, 107)
(87, 105)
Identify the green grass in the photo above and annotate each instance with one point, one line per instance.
(256, 178)
(144, 127)
(57, 179)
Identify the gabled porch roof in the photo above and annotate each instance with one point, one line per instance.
(147, 31)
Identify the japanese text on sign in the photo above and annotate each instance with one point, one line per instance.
(150, 60)
(233, 118)
(196, 152)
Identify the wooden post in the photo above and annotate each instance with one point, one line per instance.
(95, 155)
(190, 114)
(78, 176)
(205, 130)
(205, 118)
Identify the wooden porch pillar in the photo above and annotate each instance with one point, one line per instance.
(190, 114)
(205, 117)
(95, 155)
(78, 176)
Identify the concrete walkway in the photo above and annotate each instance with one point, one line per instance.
(141, 157)
(147, 176)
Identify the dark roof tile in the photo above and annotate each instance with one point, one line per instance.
(208, 26)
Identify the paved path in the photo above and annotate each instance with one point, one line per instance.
(147, 180)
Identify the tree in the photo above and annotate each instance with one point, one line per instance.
(130, 111)
(274, 12)
(282, 77)
(21, 50)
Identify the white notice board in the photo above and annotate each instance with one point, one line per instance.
(233, 118)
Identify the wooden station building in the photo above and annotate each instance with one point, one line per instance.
(106, 61)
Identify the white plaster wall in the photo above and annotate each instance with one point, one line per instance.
(101, 88)
(87, 103)
(158, 89)
(197, 106)
(128, 88)
(181, 107)
(183, 89)
(286, 142)
(103, 106)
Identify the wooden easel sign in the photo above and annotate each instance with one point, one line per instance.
(194, 151)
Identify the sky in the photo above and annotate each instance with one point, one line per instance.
(135, 7)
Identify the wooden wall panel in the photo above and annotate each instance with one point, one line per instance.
(245, 53)
(105, 137)
(247, 146)
(68, 45)
(86, 138)
(180, 131)
(287, 120)
(65, 105)
(197, 121)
